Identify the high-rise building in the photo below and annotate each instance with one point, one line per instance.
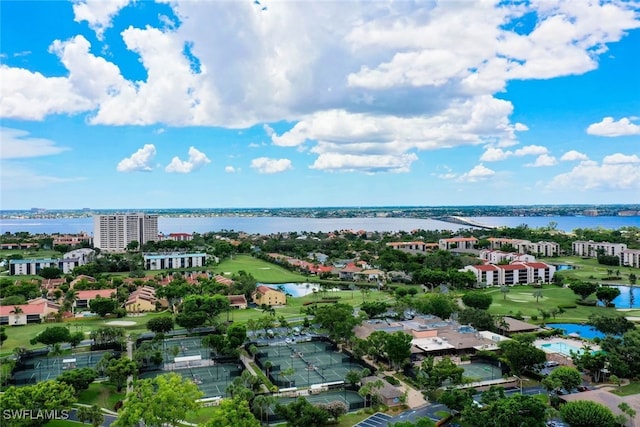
(113, 233)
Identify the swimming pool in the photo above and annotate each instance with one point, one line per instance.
(294, 289)
(561, 348)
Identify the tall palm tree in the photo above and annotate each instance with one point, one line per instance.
(17, 311)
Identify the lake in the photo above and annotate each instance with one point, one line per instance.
(627, 297)
(269, 225)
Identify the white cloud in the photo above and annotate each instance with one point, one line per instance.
(478, 173)
(268, 130)
(542, 161)
(18, 143)
(609, 127)
(97, 13)
(268, 166)
(617, 172)
(621, 159)
(16, 177)
(407, 76)
(573, 155)
(229, 169)
(197, 159)
(497, 154)
(140, 161)
(364, 163)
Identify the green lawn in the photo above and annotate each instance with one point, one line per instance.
(261, 270)
(102, 394)
(627, 390)
(589, 269)
(521, 299)
(63, 423)
(19, 336)
(29, 254)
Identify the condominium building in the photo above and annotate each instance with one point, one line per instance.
(543, 249)
(173, 260)
(113, 233)
(592, 249)
(630, 258)
(512, 274)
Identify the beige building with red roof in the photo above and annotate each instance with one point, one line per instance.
(84, 297)
(266, 295)
(237, 301)
(413, 247)
(458, 243)
(35, 311)
(142, 300)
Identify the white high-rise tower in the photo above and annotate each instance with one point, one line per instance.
(112, 233)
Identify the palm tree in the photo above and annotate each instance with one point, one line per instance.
(17, 311)
(261, 404)
(537, 294)
(93, 414)
(267, 367)
(505, 291)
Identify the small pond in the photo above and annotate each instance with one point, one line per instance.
(584, 331)
(627, 297)
(293, 289)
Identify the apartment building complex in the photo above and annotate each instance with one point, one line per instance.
(67, 263)
(592, 249)
(519, 273)
(113, 233)
(630, 258)
(543, 249)
(173, 260)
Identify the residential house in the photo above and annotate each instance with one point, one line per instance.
(84, 297)
(349, 272)
(35, 311)
(268, 296)
(237, 301)
(515, 326)
(142, 300)
(72, 239)
(81, 278)
(370, 275)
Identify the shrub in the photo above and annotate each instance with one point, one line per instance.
(567, 306)
(392, 380)
(588, 303)
(534, 317)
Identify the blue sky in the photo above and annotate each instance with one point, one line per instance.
(123, 104)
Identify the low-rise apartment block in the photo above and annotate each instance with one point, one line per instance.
(518, 273)
(630, 258)
(69, 261)
(458, 243)
(592, 249)
(173, 260)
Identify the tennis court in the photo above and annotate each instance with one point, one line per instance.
(306, 363)
(44, 368)
(211, 380)
(482, 371)
(185, 346)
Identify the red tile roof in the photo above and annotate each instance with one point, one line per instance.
(536, 264)
(6, 310)
(91, 294)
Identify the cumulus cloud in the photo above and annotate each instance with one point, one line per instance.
(364, 163)
(542, 161)
(230, 169)
(18, 143)
(140, 161)
(196, 160)
(478, 173)
(573, 155)
(616, 172)
(368, 78)
(267, 165)
(97, 13)
(493, 154)
(609, 127)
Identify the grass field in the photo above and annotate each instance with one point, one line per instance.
(589, 269)
(101, 394)
(19, 336)
(27, 254)
(521, 299)
(261, 270)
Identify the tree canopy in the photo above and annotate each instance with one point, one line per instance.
(585, 413)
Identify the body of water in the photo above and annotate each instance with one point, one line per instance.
(293, 289)
(268, 225)
(627, 297)
(584, 331)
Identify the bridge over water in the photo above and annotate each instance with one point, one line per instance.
(465, 221)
